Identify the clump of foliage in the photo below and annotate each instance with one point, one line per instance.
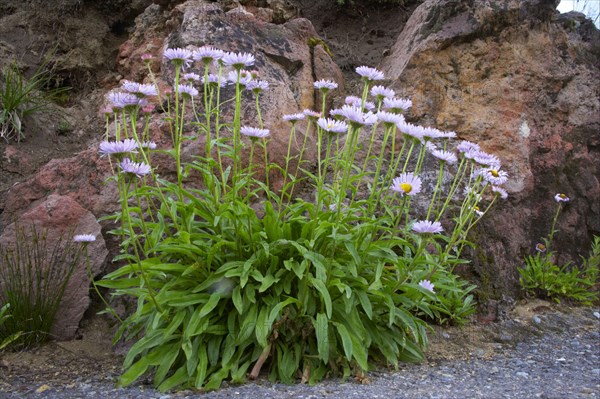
(542, 277)
(20, 97)
(34, 273)
(4, 315)
(234, 277)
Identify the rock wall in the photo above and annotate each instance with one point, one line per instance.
(523, 82)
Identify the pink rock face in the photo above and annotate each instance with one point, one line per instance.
(58, 216)
(523, 85)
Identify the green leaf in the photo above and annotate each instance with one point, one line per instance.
(261, 330)
(202, 368)
(321, 325)
(320, 286)
(346, 339)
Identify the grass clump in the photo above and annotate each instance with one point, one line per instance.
(34, 273)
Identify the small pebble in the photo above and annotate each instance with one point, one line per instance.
(522, 374)
(597, 315)
(536, 319)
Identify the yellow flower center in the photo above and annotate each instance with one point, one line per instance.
(562, 196)
(494, 173)
(406, 187)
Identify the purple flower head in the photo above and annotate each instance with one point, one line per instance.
(294, 117)
(125, 101)
(337, 113)
(485, 159)
(254, 132)
(187, 91)
(357, 117)
(207, 54)
(448, 135)
(428, 285)
(427, 227)
(238, 60)
(214, 80)
(353, 101)
(445, 156)
(406, 184)
(540, 247)
(138, 169)
(467, 146)
(500, 191)
(190, 77)
(431, 133)
(245, 78)
(494, 176)
(325, 85)
(310, 114)
(397, 105)
(139, 89)
(146, 57)
(84, 238)
(414, 131)
(381, 92)
(332, 126)
(257, 86)
(389, 118)
(151, 145)
(118, 148)
(179, 56)
(369, 74)
(561, 198)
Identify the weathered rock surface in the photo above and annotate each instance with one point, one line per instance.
(523, 84)
(57, 216)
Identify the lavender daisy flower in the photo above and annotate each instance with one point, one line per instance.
(369, 105)
(238, 60)
(139, 89)
(357, 117)
(257, 86)
(214, 80)
(84, 238)
(397, 105)
(336, 113)
(540, 247)
(427, 227)
(146, 57)
(448, 135)
(406, 184)
(485, 159)
(294, 117)
(467, 146)
(445, 156)
(332, 126)
(325, 85)
(561, 198)
(118, 148)
(179, 56)
(138, 169)
(310, 114)
(187, 91)
(500, 191)
(245, 78)
(428, 285)
(125, 101)
(389, 118)
(353, 101)
(494, 176)
(151, 145)
(190, 77)
(408, 129)
(381, 92)
(369, 74)
(207, 54)
(477, 211)
(254, 132)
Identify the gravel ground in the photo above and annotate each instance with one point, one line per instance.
(554, 354)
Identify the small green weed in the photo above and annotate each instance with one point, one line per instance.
(4, 315)
(542, 277)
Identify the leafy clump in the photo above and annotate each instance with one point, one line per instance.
(542, 277)
(235, 277)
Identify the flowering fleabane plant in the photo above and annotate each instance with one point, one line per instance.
(230, 262)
